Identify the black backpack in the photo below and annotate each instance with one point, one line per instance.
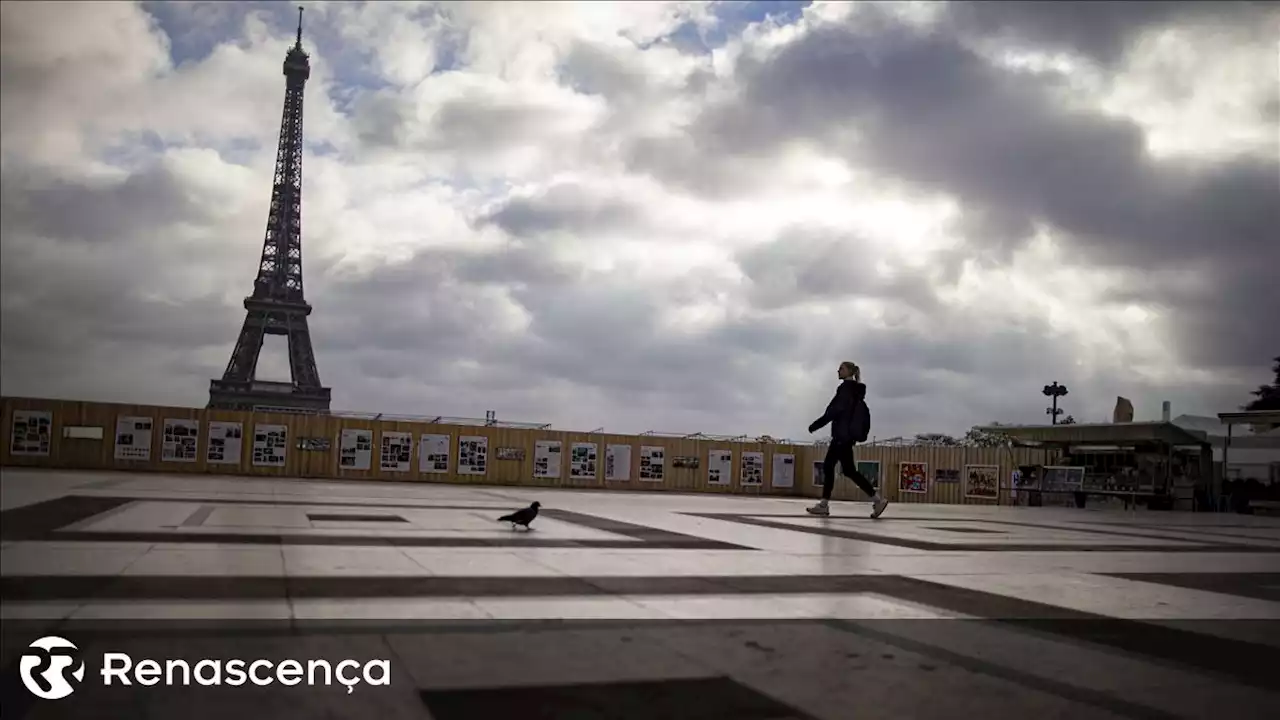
(861, 421)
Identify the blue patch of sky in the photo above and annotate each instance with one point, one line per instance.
(239, 151)
(134, 150)
(732, 18)
(195, 32)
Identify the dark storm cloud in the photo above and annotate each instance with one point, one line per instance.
(57, 305)
(923, 108)
(702, 165)
(569, 208)
(611, 338)
(815, 264)
(590, 69)
(380, 120)
(77, 210)
(1102, 31)
(479, 122)
(936, 114)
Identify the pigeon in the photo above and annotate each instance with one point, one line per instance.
(522, 517)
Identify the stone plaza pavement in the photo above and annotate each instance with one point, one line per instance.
(632, 605)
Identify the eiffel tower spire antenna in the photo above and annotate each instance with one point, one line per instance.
(277, 305)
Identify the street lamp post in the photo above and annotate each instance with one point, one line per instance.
(1054, 391)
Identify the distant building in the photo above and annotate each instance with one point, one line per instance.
(1253, 456)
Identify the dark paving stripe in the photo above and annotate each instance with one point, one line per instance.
(970, 531)
(104, 484)
(1100, 700)
(198, 518)
(1237, 661)
(354, 518)
(37, 521)
(678, 699)
(913, 544)
(617, 527)
(518, 539)
(41, 521)
(1213, 531)
(1069, 526)
(1191, 526)
(1259, 586)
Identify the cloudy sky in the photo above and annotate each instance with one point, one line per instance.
(668, 216)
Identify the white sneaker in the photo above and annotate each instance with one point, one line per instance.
(819, 509)
(878, 507)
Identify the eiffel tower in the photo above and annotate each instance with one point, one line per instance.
(277, 306)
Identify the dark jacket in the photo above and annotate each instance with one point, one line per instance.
(840, 412)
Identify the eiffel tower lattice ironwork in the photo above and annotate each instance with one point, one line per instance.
(277, 306)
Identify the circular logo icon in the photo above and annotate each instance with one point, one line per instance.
(48, 667)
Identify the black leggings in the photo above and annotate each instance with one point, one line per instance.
(842, 453)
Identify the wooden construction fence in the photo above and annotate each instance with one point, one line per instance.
(66, 434)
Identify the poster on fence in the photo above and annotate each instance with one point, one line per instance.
(433, 454)
(133, 438)
(397, 452)
(582, 461)
(913, 477)
(817, 473)
(473, 455)
(870, 470)
(752, 468)
(226, 443)
(719, 467)
(982, 482)
(784, 470)
(617, 463)
(355, 449)
(180, 440)
(270, 443)
(547, 459)
(30, 433)
(652, 463)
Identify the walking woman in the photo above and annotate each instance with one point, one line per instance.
(850, 421)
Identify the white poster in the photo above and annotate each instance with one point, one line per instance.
(547, 459)
(133, 438)
(752, 468)
(784, 470)
(719, 467)
(473, 454)
(181, 440)
(652, 463)
(225, 443)
(433, 454)
(617, 463)
(30, 432)
(355, 449)
(397, 451)
(269, 445)
(582, 460)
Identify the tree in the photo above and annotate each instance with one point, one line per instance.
(983, 438)
(1068, 420)
(1268, 396)
(935, 439)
